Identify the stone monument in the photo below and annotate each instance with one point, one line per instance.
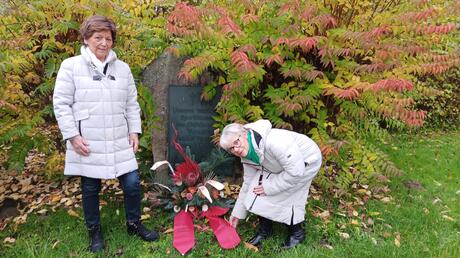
(178, 102)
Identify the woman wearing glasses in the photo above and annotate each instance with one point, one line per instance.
(279, 166)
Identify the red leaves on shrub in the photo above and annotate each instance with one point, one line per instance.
(308, 13)
(418, 16)
(228, 25)
(305, 43)
(241, 61)
(380, 31)
(399, 85)
(438, 67)
(274, 58)
(299, 74)
(325, 21)
(435, 29)
(198, 63)
(375, 67)
(248, 18)
(409, 117)
(349, 93)
(184, 20)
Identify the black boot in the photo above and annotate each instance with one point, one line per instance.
(296, 236)
(263, 232)
(136, 228)
(97, 242)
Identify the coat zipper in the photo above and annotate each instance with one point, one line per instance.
(260, 182)
(79, 127)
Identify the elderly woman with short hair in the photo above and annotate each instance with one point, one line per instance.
(95, 103)
(279, 166)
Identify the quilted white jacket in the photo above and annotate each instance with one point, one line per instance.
(288, 163)
(103, 109)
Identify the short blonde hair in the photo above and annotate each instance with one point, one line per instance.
(97, 23)
(230, 133)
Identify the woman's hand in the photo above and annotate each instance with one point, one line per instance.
(259, 190)
(234, 221)
(134, 141)
(80, 145)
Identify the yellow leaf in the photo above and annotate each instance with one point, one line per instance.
(397, 242)
(251, 247)
(145, 216)
(448, 218)
(73, 213)
(169, 230)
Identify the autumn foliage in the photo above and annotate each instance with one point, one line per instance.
(324, 68)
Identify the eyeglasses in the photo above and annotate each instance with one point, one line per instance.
(236, 144)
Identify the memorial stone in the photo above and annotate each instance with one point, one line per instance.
(178, 102)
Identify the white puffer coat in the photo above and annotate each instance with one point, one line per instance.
(103, 109)
(288, 163)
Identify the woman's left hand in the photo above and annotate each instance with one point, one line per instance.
(259, 190)
(134, 141)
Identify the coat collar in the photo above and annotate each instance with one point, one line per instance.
(259, 131)
(95, 63)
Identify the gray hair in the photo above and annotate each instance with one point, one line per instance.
(230, 133)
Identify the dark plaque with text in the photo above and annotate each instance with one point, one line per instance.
(193, 120)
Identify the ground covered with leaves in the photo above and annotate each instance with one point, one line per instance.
(417, 215)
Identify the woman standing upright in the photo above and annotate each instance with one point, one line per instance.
(279, 166)
(95, 104)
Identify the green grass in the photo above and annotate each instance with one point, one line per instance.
(416, 215)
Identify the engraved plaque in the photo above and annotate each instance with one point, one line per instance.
(193, 120)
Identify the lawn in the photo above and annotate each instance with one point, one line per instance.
(421, 220)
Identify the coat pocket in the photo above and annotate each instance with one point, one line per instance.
(79, 116)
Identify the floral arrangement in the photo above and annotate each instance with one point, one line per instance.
(193, 196)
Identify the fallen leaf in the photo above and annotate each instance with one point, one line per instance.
(168, 231)
(55, 198)
(386, 234)
(9, 240)
(397, 241)
(251, 247)
(328, 246)
(324, 214)
(344, 235)
(370, 221)
(73, 213)
(55, 244)
(386, 199)
(448, 218)
(374, 241)
(42, 211)
(145, 216)
(14, 188)
(426, 210)
(354, 222)
(146, 209)
(436, 200)
(68, 203)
